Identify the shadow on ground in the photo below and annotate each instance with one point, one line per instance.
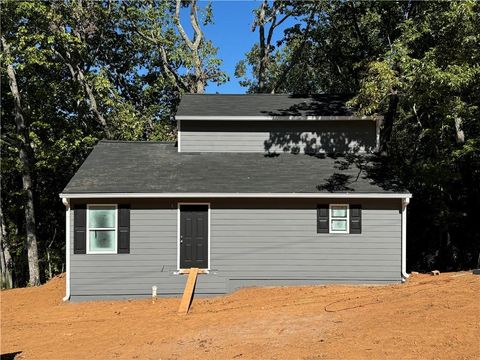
(9, 356)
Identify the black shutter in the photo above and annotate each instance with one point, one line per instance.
(123, 229)
(322, 218)
(79, 229)
(355, 219)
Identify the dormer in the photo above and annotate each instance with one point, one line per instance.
(267, 123)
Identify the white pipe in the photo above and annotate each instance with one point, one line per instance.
(405, 202)
(66, 202)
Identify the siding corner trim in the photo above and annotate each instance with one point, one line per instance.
(66, 202)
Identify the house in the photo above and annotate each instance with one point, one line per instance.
(259, 190)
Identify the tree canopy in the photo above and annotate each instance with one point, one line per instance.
(418, 64)
(84, 71)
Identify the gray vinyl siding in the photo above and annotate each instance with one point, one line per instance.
(277, 136)
(253, 242)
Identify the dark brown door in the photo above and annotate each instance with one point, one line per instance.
(193, 236)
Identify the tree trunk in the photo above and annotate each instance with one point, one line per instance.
(265, 40)
(49, 268)
(193, 44)
(47, 251)
(297, 54)
(459, 134)
(5, 258)
(93, 102)
(79, 76)
(262, 68)
(386, 131)
(26, 169)
(200, 85)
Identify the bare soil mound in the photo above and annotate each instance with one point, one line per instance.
(429, 317)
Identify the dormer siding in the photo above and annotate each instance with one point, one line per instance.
(277, 136)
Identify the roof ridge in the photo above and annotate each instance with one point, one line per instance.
(256, 94)
(277, 94)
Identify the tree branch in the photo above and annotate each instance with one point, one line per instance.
(297, 53)
(178, 81)
(193, 46)
(283, 19)
(10, 141)
(179, 26)
(358, 32)
(194, 21)
(167, 69)
(263, 50)
(79, 76)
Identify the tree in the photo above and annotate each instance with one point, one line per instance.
(326, 48)
(416, 63)
(72, 23)
(267, 15)
(262, 58)
(6, 280)
(23, 145)
(82, 71)
(433, 70)
(189, 63)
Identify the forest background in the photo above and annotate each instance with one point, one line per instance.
(75, 72)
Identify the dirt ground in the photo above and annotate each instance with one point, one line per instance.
(429, 317)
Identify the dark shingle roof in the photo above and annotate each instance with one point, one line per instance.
(152, 167)
(263, 105)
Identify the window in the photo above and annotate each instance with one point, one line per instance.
(102, 229)
(339, 219)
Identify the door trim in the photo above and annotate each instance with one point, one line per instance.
(179, 270)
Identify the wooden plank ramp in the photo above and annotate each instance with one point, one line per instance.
(188, 292)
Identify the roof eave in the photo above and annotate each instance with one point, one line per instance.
(279, 117)
(345, 195)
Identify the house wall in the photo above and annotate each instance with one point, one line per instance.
(254, 242)
(277, 136)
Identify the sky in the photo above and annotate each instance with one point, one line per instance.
(231, 33)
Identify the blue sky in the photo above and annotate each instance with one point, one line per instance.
(231, 33)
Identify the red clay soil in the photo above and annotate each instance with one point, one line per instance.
(429, 317)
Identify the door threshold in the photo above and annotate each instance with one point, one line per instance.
(187, 271)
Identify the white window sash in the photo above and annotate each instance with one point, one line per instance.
(115, 229)
(331, 218)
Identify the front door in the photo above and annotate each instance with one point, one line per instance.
(194, 236)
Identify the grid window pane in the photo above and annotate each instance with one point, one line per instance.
(102, 217)
(339, 225)
(339, 211)
(102, 240)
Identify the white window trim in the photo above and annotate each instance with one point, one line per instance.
(88, 229)
(330, 218)
(179, 269)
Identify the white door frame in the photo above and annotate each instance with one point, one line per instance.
(178, 231)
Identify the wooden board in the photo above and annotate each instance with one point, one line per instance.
(187, 271)
(188, 292)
